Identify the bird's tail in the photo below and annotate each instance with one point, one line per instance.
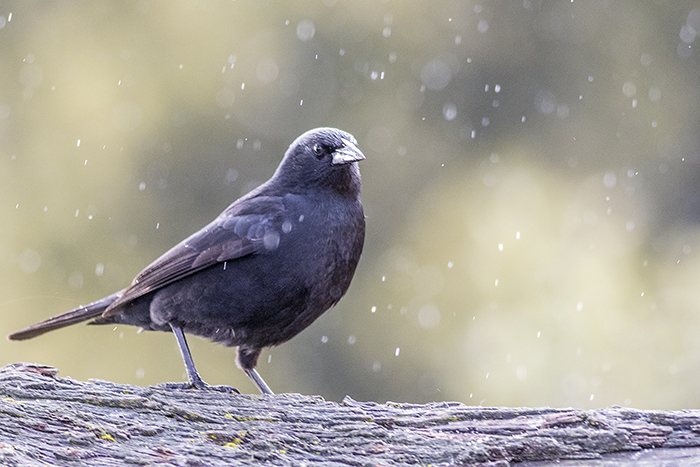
(77, 315)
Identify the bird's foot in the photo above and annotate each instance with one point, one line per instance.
(222, 388)
(200, 385)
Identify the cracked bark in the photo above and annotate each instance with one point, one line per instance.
(46, 419)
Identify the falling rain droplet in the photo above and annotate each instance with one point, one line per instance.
(609, 180)
(449, 111)
(305, 30)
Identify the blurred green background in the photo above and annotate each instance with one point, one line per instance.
(531, 186)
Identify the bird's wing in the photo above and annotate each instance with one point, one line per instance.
(239, 231)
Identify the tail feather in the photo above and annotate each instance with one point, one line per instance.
(77, 315)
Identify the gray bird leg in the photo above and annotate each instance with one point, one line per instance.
(259, 382)
(192, 375)
(194, 380)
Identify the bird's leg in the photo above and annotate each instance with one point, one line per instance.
(246, 358)
(192, 375)
(259, 382)
(194, 380)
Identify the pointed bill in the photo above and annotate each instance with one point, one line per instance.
(347, 154)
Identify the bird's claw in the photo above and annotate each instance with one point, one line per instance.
(223, 388)
(200, 385)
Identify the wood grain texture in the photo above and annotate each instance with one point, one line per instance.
(46, 419)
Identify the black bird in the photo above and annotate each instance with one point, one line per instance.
(262, 271)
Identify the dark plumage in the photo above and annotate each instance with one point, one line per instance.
(262, 271)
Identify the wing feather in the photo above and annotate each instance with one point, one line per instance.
(239, 231)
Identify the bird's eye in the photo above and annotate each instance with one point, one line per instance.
(318, 150)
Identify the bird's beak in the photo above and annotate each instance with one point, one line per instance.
(347, 154)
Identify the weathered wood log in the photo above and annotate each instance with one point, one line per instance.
(45, 419)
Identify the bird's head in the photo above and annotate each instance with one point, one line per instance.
(323, 158)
